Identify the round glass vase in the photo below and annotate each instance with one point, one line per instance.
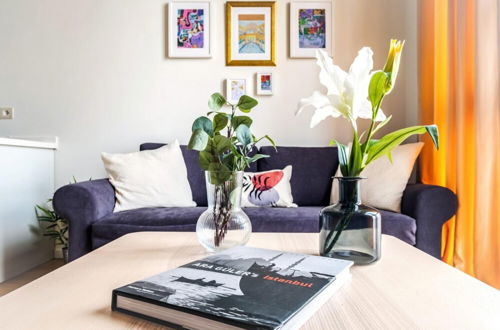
(350, 230)
(224, 224)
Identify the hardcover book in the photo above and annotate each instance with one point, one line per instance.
(243, 287)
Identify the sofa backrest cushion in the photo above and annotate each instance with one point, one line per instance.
(196, 176)
(312, 171)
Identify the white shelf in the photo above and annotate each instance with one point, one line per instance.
(30, 142)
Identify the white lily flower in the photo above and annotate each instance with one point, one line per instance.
(347, 94)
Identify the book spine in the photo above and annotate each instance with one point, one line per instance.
(113, 300)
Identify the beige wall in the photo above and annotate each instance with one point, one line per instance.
(94, 73)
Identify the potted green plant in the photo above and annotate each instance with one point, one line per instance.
(349, 229)
(226, 148)
(53, 226)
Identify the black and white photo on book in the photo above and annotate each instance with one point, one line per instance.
(244, 287)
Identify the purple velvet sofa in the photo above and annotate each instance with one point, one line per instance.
(88, 206)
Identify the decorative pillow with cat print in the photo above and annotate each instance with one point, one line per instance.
(269, 188)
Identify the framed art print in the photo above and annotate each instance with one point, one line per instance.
(235, 88)
(264, 84)
(189, 29)
(310, 28)
(250, 33)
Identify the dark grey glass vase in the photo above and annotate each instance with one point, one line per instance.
(349, 229)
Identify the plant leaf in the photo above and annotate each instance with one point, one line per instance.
(222, 144)
(216, 101)
(246, 103)
(219, 173)
(343, 159)
(244, 135)
(389, 156)
(379, 85)
(268, 138)
(434, 133)
(256, 157)
(392, 140)
(204, 159)
(220, 121)
(382, 124)
(204, 124)
(355, 158)
(198, 140)
(238, 120)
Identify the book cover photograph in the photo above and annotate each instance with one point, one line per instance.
(253, 286)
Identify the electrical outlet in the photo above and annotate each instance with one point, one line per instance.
(6, 113)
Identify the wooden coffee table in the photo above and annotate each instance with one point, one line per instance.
(405, 289)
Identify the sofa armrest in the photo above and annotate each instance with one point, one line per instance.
(83, 204)
(431, 206)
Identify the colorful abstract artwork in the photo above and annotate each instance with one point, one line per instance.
(251, 34)
(265, 82)
(312, 28)
(190, 28)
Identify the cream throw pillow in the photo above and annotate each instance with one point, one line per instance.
(151, 178)
(385, 181)
(269, 188)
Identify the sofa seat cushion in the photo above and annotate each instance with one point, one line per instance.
(400, 226)
(145, 219)
(304, 219)
(264, 219)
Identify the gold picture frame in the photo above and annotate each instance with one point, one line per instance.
(244, 58)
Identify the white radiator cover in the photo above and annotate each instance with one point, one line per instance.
(26, 179)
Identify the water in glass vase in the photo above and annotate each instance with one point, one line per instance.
(349, 229)
(224, 224)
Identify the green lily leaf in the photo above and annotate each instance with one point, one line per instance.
(392, 140)
(389, 156)
(434, 133)
(246, 103)
(355, 161)
(382, 124)
(379, 86)
(204, 124)
(216, 102)
(343, 159)
(220, 121)
(199, 140)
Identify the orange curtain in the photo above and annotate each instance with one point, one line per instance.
(459, 91)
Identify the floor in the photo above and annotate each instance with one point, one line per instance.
(29, 276)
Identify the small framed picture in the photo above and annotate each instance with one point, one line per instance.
(250, 33)
(311, 28)
(235, 88)
(189, 29)
(264, 84)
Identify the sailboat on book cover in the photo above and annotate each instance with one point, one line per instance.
(260, 287)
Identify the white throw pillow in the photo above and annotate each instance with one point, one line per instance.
(385, 181)
(269, 188)
(151, 178)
